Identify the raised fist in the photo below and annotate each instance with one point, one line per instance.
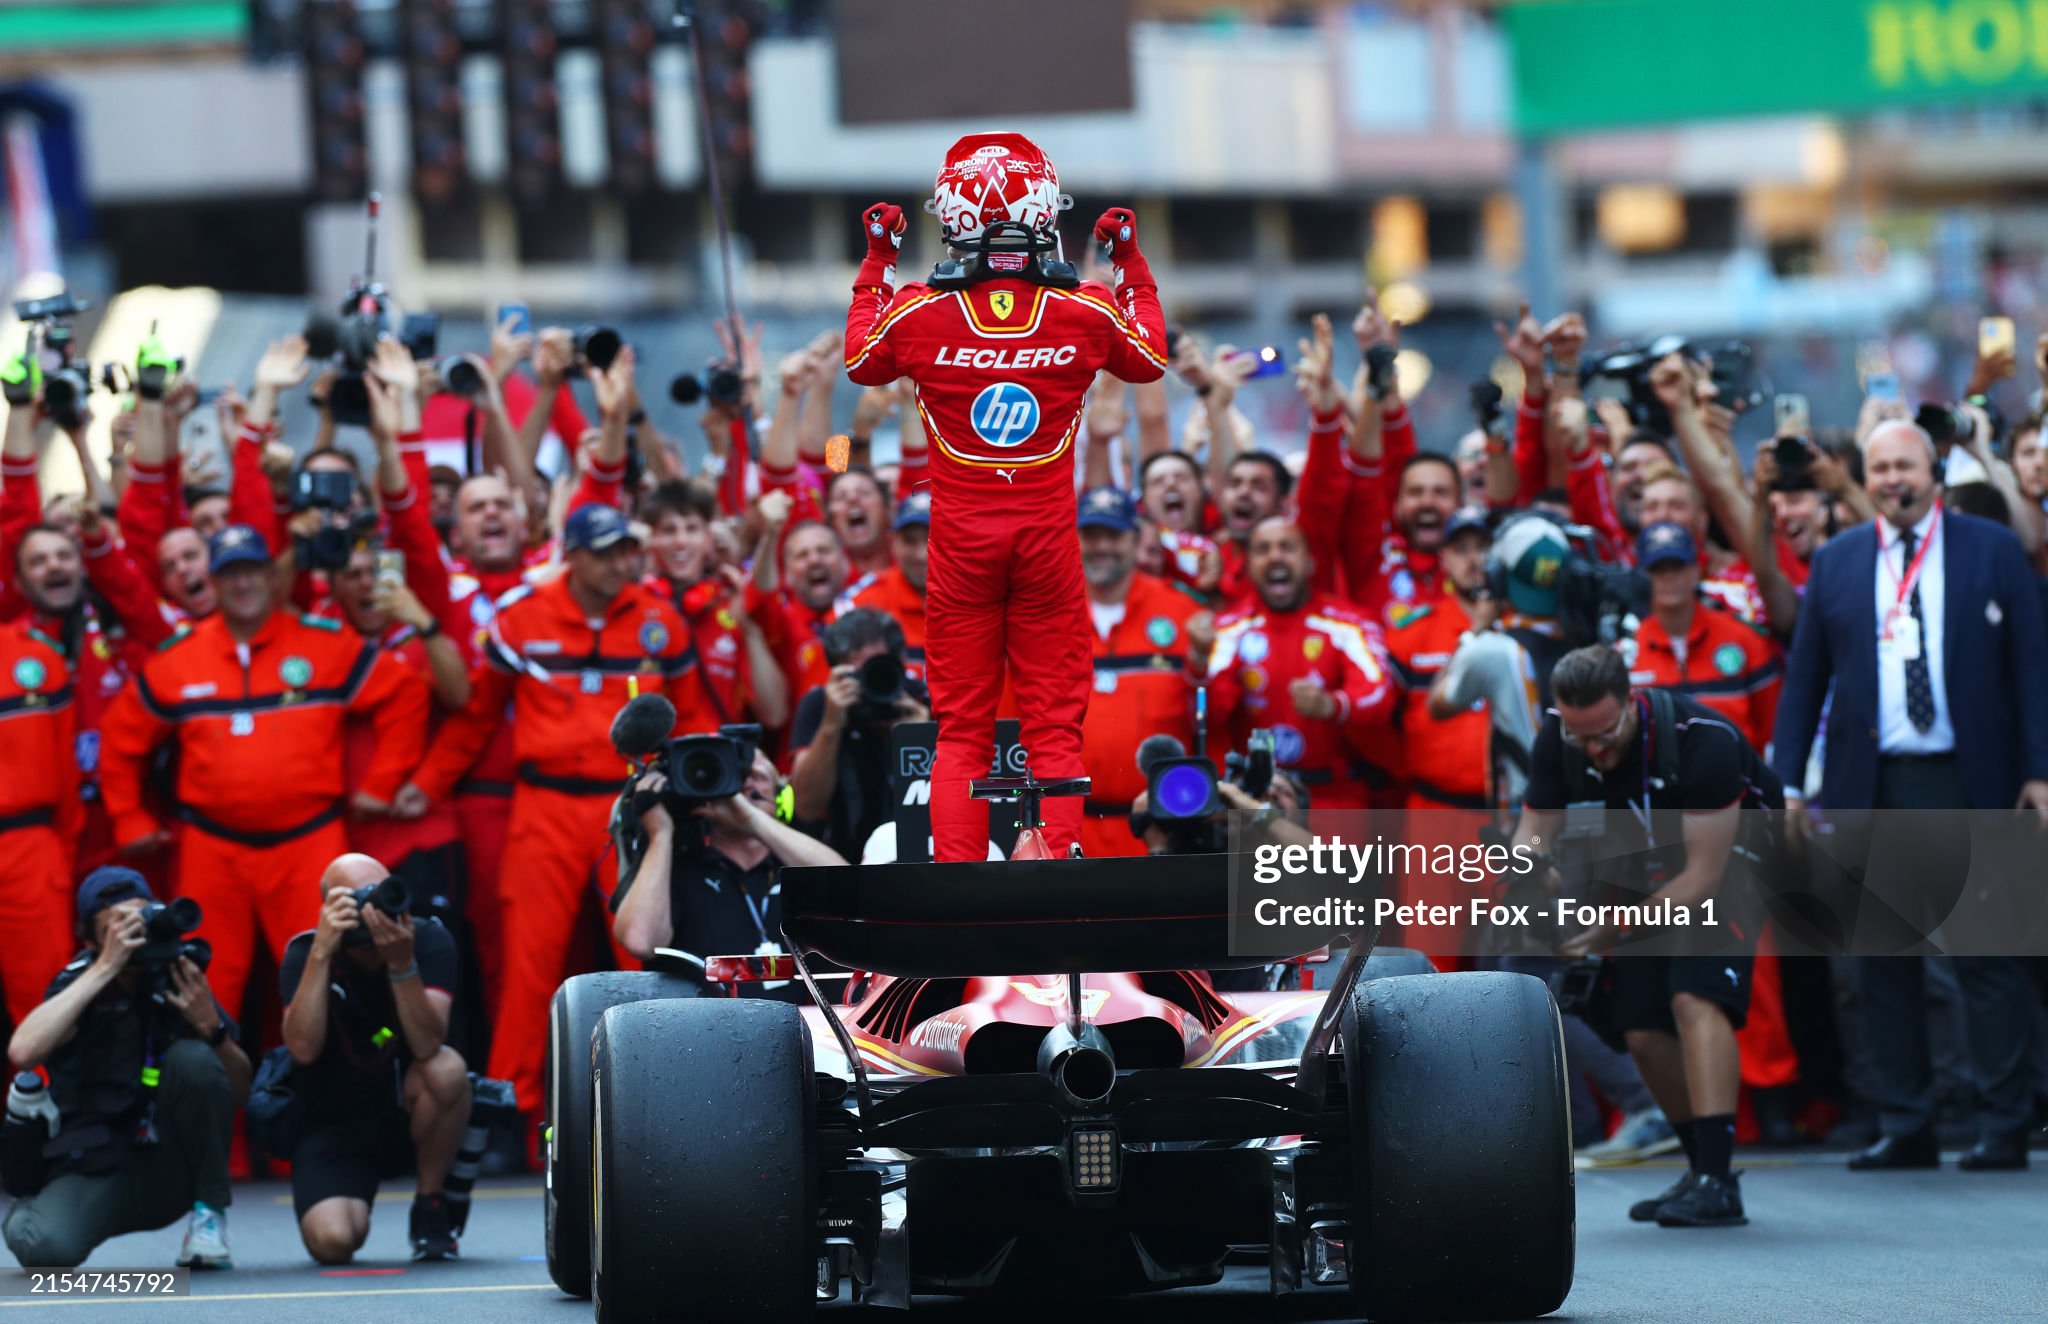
(1118, 228)
(884, 225)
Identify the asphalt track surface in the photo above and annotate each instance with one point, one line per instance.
(1823, 1244)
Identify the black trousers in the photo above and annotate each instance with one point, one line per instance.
(1934, 850)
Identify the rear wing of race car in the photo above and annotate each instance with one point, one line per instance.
(1073, 916)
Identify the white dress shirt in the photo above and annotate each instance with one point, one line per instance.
(1895, 731)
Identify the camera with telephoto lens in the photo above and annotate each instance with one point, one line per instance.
(460, 376)
(1950, 425)
(1731, 364)
(366, 317)
(166, 939)
(704, 768)
(720, 385)
(881, 685)
(389, 895)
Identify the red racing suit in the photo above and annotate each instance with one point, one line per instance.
(1259, 654)
(1001, 370)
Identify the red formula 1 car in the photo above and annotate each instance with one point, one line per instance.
(930, 1127)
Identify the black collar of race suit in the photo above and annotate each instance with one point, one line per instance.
(1026, 257)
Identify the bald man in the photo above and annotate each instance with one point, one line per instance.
(367, 996)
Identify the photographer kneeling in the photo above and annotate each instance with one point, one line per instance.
(367, 996)
(709, 888)
(1659, 803)
(145, 1076)
(840, 777)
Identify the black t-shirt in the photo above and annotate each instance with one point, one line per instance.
(863, 801)
(96, 1076)
(359, 1058)
(720, 909)
(1638, 849)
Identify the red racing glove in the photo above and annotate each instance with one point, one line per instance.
(884, 225)
(1118, 228)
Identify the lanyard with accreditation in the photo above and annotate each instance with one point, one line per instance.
(1901, 632)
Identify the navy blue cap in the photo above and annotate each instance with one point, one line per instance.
(237, 544)
(914, 509)
(595, 528)
(1466, 519)
(1664, 542)
(110, 885)
(1109, 508)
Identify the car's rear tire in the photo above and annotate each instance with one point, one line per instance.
(1463, 1199)
(1388, 962)
(705, 1146)
(572, 1019)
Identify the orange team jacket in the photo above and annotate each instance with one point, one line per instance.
(1447, 760)
(38, 715)
(565, 681)
(891, 594)
(1142, 688)
(260, 727)
(1726, 663)
(1258, 656)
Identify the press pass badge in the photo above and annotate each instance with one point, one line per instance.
(1904, 638)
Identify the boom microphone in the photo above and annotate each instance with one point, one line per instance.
(1154, 748)
(642, 725)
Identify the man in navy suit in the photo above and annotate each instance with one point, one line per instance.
(1929, 627)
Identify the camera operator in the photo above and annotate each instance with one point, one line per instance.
(712, 893)
(367, 998)
(1685, 809)
(1280, 819)
(146, 1076)
(840, 777)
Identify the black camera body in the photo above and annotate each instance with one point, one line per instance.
(596, 345)
(390, 896)
(881, 686)
(1732, 366)
(66, 381)
(166, 939)
(333, 492)
(720, 385)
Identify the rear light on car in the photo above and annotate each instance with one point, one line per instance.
(1094, 1156)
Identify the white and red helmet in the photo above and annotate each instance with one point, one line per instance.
(991, 177)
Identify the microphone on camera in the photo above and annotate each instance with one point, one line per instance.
(1154, 748)
(642, 725)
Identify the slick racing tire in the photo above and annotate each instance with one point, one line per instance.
(1388, 962)
(578, 1005)
(706, 1153)
(1463, 1193)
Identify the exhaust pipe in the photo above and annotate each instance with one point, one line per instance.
(1080, 1066)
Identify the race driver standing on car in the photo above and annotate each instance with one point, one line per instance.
(1001, 345)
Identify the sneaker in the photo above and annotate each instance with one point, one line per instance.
(1640, 1136)
(1645, 1211)
(432, 1236)
(1708, 1202)
(206, 1240)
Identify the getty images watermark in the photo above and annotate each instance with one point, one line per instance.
(1322, 862)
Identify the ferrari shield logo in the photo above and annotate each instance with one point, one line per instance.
(1312, 647)
(1002, 303)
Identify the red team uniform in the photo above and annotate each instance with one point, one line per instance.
(1001, 365)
